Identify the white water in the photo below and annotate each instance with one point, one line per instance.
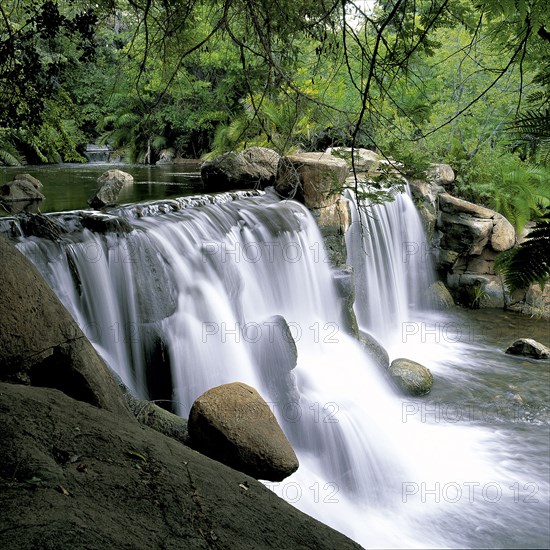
(208, 282)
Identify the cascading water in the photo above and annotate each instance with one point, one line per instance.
(194, 297)
(388, 251)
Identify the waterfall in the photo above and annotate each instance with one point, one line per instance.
(392, 266)
(194, 296)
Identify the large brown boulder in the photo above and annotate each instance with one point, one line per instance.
(41, 343)
(253, 168)
(77, 477)
(234, 425)
(312, 178)
(111, 184)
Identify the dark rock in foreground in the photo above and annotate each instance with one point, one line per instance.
(73, 476)
(529, 348)
(233, 424)
(41, 343)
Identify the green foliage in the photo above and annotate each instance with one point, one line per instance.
(503, 182)
(529, 262)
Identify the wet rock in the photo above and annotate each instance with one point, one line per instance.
(344, 281)
(44, 227)
(41, 343)
(374, 349)
(411, 377)
(439, 296)
(78, 477)
(19, 191)
(234, 425)
(111, 184)
(103, 223)
(253, 168)
(275, 352)
(529, 348)
(37, 184)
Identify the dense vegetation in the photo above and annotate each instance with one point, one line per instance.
(467, 83)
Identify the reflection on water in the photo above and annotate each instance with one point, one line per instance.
(69, 186)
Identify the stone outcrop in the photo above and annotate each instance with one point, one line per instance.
(231, 423)
(439, 296)
(471, 236)
(105, 223)
(410, 377)
(77, 477)
(440, 174)
(276, 355)
(41, 343)
(374, 349)
(78, 471)
(36, 183)
(528, 347)
(20, 190)
(315, 179)
(111, 184)
(253, 168)
(311, 178)
(465, 240)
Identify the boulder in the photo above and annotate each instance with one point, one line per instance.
(478, 291)
(344, 282)
(276, 355)
(410, 377)
(453, 205)
(41, 343)
(234, 425)
(439, 296)
(529, 348)
(441, 174)
(37, 184)
(253, 168)
(334, 220)
(77, 477)
(19, 191)
(504, 235)
(312, 178)
(111, 184)
(464, 234)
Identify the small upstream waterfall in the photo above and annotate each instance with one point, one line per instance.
(193, 297)
(392, 266)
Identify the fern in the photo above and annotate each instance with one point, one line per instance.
(529, 262)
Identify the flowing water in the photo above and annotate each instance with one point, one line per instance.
(69, 186)
(194, 297)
